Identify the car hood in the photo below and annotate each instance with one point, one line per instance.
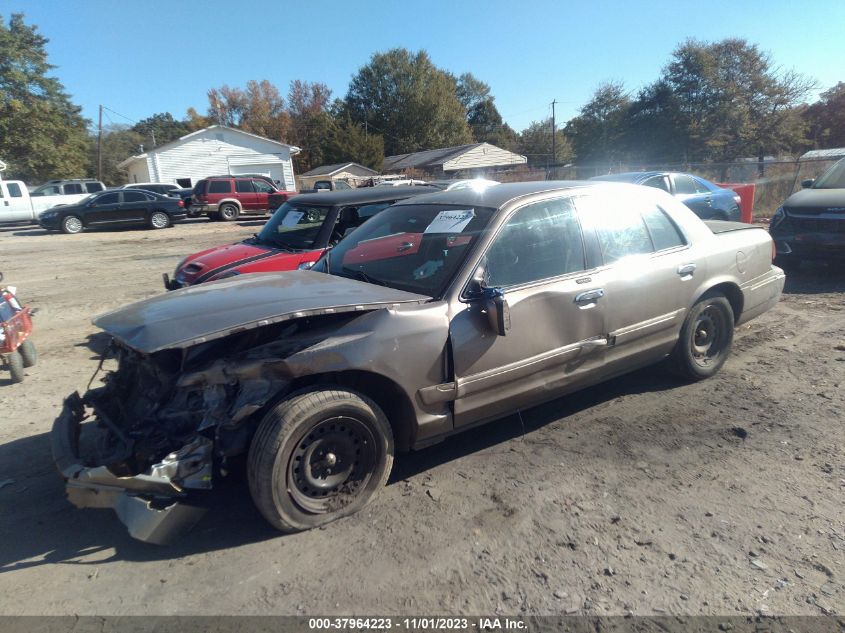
(202, 313)
(822, 200)
(232, 256)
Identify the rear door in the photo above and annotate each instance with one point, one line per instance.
(246, 195)
(134, 206)
(557, 316)
(693, 194)
(262, 193)
(649, 274)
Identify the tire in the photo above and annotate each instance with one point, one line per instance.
(705, 340)
(228, 212)
(311, 427)
(28, 353)
(159, 220)
(15, 363)
(72, 224)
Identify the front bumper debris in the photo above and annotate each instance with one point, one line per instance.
(151, 505)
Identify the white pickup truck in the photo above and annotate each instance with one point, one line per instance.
(16, 205)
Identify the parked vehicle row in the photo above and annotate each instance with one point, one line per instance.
(441, 312)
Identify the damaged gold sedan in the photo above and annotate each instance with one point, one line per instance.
(441, 313)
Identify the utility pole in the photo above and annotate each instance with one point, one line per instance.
(100, 146)
(554, 153)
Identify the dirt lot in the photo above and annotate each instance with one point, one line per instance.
(643, 494)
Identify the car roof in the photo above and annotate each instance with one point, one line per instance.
(361, 195)
(631, 176)
(501, 194)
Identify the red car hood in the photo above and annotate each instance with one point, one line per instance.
(243, 257)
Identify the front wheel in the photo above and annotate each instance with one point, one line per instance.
(72, 224)
(320, 454)
(15, 363)
(229, 212)
(706, 338)
(28, 353)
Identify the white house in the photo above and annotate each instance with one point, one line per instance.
(214, 151)
(469, 159)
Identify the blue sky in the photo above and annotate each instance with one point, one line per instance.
(141, 57)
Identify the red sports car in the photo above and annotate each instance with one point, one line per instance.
(297, 234)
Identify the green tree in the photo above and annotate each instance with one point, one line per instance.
(310, 122)
(159, 129)
(535, 142)
(259, 109)
(471, 91)
(826, 118)
(488, 127)
(42, 134)
(598, 132)
(409, 101)
(119, 143)
(653, 121)
(348, 141)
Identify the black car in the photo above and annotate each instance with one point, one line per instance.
(707, 201)
(125, 207)
(811, 223)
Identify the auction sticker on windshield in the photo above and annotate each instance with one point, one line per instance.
(453, 221)
(293, 218)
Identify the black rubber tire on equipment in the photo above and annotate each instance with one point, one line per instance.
(708, 330)
(15, 362)
(228, 212)
(70, 227)
(28, 353)
(318, 422)
(156, 217)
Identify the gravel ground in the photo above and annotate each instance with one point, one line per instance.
(642, 494)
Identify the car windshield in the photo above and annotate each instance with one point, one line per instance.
(416, 248)
(833, 178)
(295, 227)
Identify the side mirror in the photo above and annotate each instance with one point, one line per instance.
(498, 312)
(806, 184)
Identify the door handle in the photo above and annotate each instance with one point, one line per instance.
(590, 296)
(404, 246)
(686, 270)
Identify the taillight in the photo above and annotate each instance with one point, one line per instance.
(774, 250)
(181, 204)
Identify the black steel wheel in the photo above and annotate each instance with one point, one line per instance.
(28, 353)
(15, 364)
(320, 454)
(228, 212)
(706, 338)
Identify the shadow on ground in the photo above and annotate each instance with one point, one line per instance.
(44, 528)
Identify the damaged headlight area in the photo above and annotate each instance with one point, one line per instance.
(162, 426)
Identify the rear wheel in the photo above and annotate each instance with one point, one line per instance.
(159, 220)
(72, 224)
(319, 455)
(15, 363)
(229, 212)
(706, 338)
(28, 353)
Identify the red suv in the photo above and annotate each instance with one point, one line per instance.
(227, 197)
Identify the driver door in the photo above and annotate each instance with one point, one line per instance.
(557, 317)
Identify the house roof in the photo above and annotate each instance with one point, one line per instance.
(427, 158)
(328, 170)
(293, 149)
(834, 152)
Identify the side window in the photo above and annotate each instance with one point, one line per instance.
(14, 190)
(540, 241)
(93, 187)
(134, 196)
(262, 187)
(619, 226)
(73, 187)
(244, 186)
(108, 198)
(684, 185)
(663, 231)
(341, 186)
(700, 186)
(658, 182)
(369, 210)
(220, 186)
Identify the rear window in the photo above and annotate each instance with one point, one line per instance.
(93, 187)
(14, 190)
(220, 186)
(199, 188)
(73, 187)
